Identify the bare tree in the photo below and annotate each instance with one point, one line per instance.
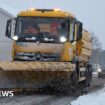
(96, 43)
(97, 50)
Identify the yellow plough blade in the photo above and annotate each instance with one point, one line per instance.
(18, 74)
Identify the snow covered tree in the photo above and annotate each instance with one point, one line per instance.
(96, 57)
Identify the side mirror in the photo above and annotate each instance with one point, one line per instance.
(10, 28)
(79, 32)
(72, 31)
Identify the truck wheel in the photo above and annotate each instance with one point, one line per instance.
(90, 72)
(74, 80)
(88, 75)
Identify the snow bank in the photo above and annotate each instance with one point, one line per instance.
(97, 98)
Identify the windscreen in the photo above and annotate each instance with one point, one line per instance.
(42, 29)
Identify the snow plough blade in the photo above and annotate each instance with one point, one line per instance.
(17, 74)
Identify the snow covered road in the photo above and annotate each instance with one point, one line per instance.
(37, 100)
(44, 99)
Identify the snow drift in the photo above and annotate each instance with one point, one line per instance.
(97, 98)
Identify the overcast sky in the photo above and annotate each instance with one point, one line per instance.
(90, 12)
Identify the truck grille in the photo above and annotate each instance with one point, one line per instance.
(37, 57)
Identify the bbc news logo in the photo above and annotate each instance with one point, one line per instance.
(6, 94)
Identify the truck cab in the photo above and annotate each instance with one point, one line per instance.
(44, 35)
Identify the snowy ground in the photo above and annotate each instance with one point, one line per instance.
(96, 98)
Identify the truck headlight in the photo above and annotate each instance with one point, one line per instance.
(99, 70)
(15, 38)
(63, 39)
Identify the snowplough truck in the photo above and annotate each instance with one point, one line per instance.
(50, 49)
